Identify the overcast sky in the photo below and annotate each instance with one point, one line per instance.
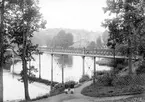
(74, 14)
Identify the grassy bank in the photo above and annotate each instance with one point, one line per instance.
(101, 91)
(108, 86)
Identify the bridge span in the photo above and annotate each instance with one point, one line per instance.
(102, 53)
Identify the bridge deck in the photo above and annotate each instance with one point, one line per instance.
(103, 53)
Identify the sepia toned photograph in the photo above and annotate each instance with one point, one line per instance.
(72, 50)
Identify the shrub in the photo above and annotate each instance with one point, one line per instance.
(84, 78)
(129, 80)
(98, 74)
(141, 69)
(139, 79)
(70, 84)
(57, 86)
(122, 80)
(118, 68)
(57, 89)
(133, 89)
(105, 80)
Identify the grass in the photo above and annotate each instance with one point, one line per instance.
(134, 98)
(109, 91)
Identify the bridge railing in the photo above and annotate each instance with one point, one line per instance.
(82, 51)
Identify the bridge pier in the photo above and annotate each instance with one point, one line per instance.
(39, 65)
(83, 57)
(62, 69)
(51, 71)
(94, 60)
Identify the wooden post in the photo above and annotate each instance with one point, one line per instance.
(83, 57)
(51, 71)
(94, 58)
(39, 65)
(62, 69)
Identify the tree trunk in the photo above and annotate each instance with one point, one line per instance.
(25, 69)
(25, 79)
(1, 84)
(1, 49)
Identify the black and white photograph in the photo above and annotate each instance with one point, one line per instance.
(72, 50)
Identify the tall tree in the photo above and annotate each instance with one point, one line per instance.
(22, 20)
(99, 43)
(127, 26)
(62, 39)
(92, 45)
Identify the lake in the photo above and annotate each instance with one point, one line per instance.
(72, 67)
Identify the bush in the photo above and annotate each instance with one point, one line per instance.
(139, 79)
(122, 80)
(84, 78)
(133, 89)
(105, 80)
(70, 84)
(57, 86)
(118, 68)
(129, 80)
(57, 89)
(98, 74)
(141, 69)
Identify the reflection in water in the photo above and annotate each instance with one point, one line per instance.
(66, 60)
(72, 67)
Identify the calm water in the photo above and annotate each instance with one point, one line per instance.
(72, 67)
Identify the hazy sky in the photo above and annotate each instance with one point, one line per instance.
(74, 14)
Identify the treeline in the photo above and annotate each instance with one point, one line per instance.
(99, 44)
(61, 40)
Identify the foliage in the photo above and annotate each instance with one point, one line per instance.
(58, 89)
(118, 68)
(121, 85)
(99, 43)
(122, 80)
(141, 68)
(70, 84)
(105, 80)
(105, 37)
(62, 40)
(139, 80)
(22, 19)
(92, 45)
(129, 80)
(105, 91)
(84, 78)
(99, 74)
(134, 89)
(126, 29)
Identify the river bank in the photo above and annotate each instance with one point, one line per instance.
(14, 89)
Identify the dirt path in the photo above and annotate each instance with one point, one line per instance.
(78, 97)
